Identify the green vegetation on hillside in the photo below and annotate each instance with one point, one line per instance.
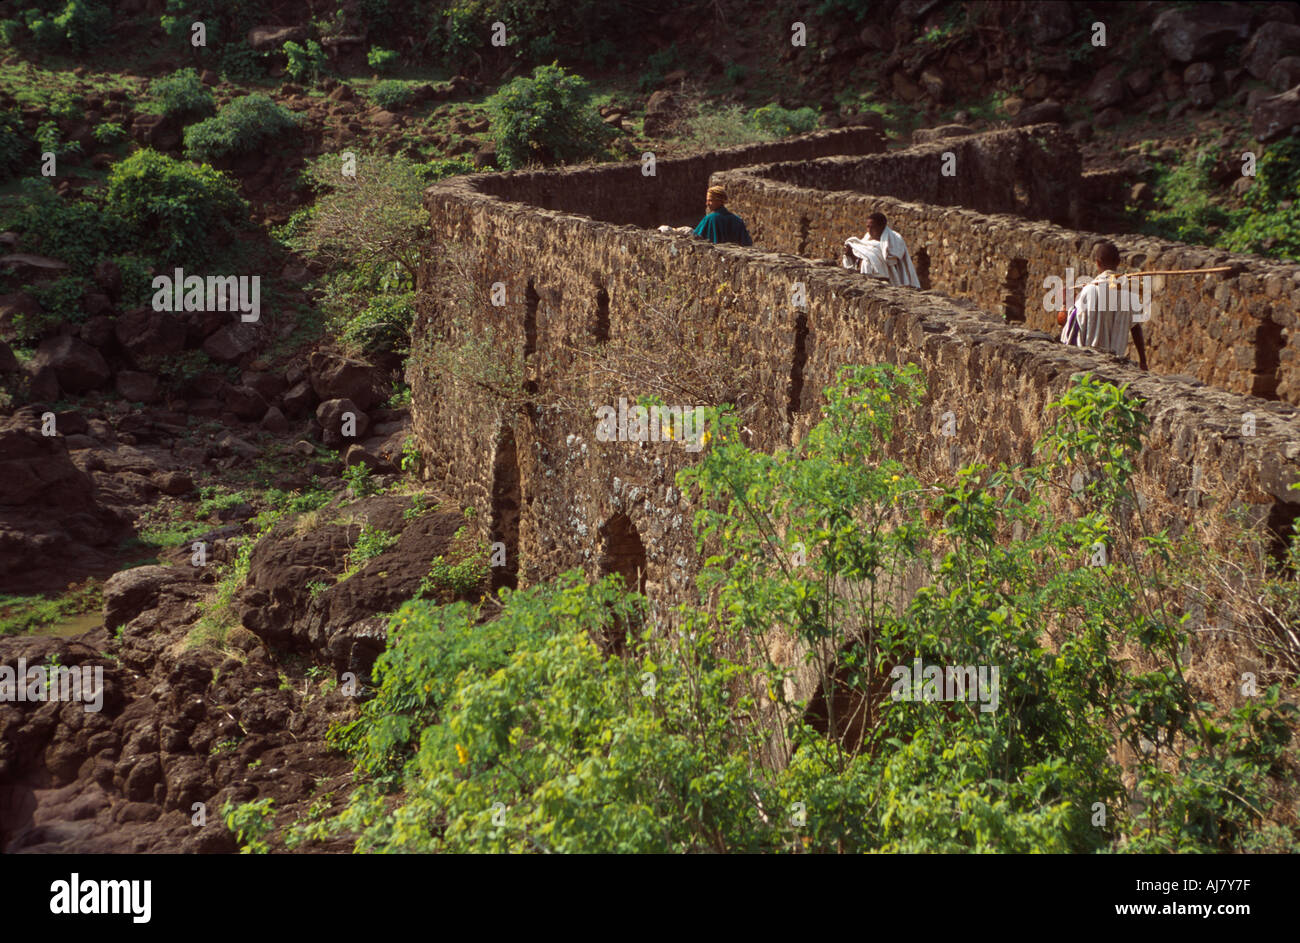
(1188, 206)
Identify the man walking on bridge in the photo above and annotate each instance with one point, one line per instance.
(881, 254)
(721, 225)
(1102, 316)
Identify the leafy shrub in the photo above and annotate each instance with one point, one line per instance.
(383, 325)
(391, 93)
(305, 64)
(304, 503)
(371, 543)
(1271, 225)
(372, 218)
(15, 145)
(456, 577)
(521, 734)
(78, 232)
(447, 167)
(245, 125)
(1188, 208)
(658, 64)
(183, 95)
(250, 822)
(11, 31)
(381, 60)
(358, 480)
(109, 132)
(238, 62)
(137, 280)
(172, 207)
(79, 26)
(783, 122)
(546, 118)
(50, 140)
(60, 301)
(715, 126)
(537, 31)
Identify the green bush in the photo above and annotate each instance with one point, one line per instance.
(391, 93)
(250, 822)
(61, 298)
(305, 64)
(537, 31)
(546, 118)
(658, 64)
(371, 543)
(1271, 224)
(15, 145)
(77, 27)
(383, 326)
(715, 126)
(172, 207)
(783, 122)
(183, 95)
(109, 133)
(78, 232)
(50, 140)
(381, 60)
(447, 167)
(245, 125)
(520, 733)
(137, 280)
(11, 31)
(60, 301)
(1188, 207)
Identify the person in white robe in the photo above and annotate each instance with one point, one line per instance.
(882, 253)
(1106, 313)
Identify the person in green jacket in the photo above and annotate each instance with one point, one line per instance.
(720, 225)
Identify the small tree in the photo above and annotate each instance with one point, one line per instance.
(183, 95)
(244, 125)
(170, 206)
(370, 212)
(546, 118)
(305, 64)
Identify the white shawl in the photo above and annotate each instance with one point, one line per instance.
(886, 257)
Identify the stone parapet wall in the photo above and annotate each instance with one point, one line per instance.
(1033, 172)
(1229, 332)
(997, 379)
(674, 194)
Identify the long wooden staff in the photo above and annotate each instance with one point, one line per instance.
(1175, 271)
(1061, 316)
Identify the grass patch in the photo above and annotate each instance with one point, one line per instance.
(371, 543)
(23, 615)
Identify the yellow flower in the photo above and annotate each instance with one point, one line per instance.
(895, 478)
(462, 754)
(704, 439)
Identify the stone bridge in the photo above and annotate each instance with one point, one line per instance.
(578, 259)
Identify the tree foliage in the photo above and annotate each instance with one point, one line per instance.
(546, 118)
(523, 734)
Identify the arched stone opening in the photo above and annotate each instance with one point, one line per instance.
(855, 702)
(922, 260)
(797, 363)
(531, 299)
(1013, 290)
(600, 330)
(506, 508)
(622, 552)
